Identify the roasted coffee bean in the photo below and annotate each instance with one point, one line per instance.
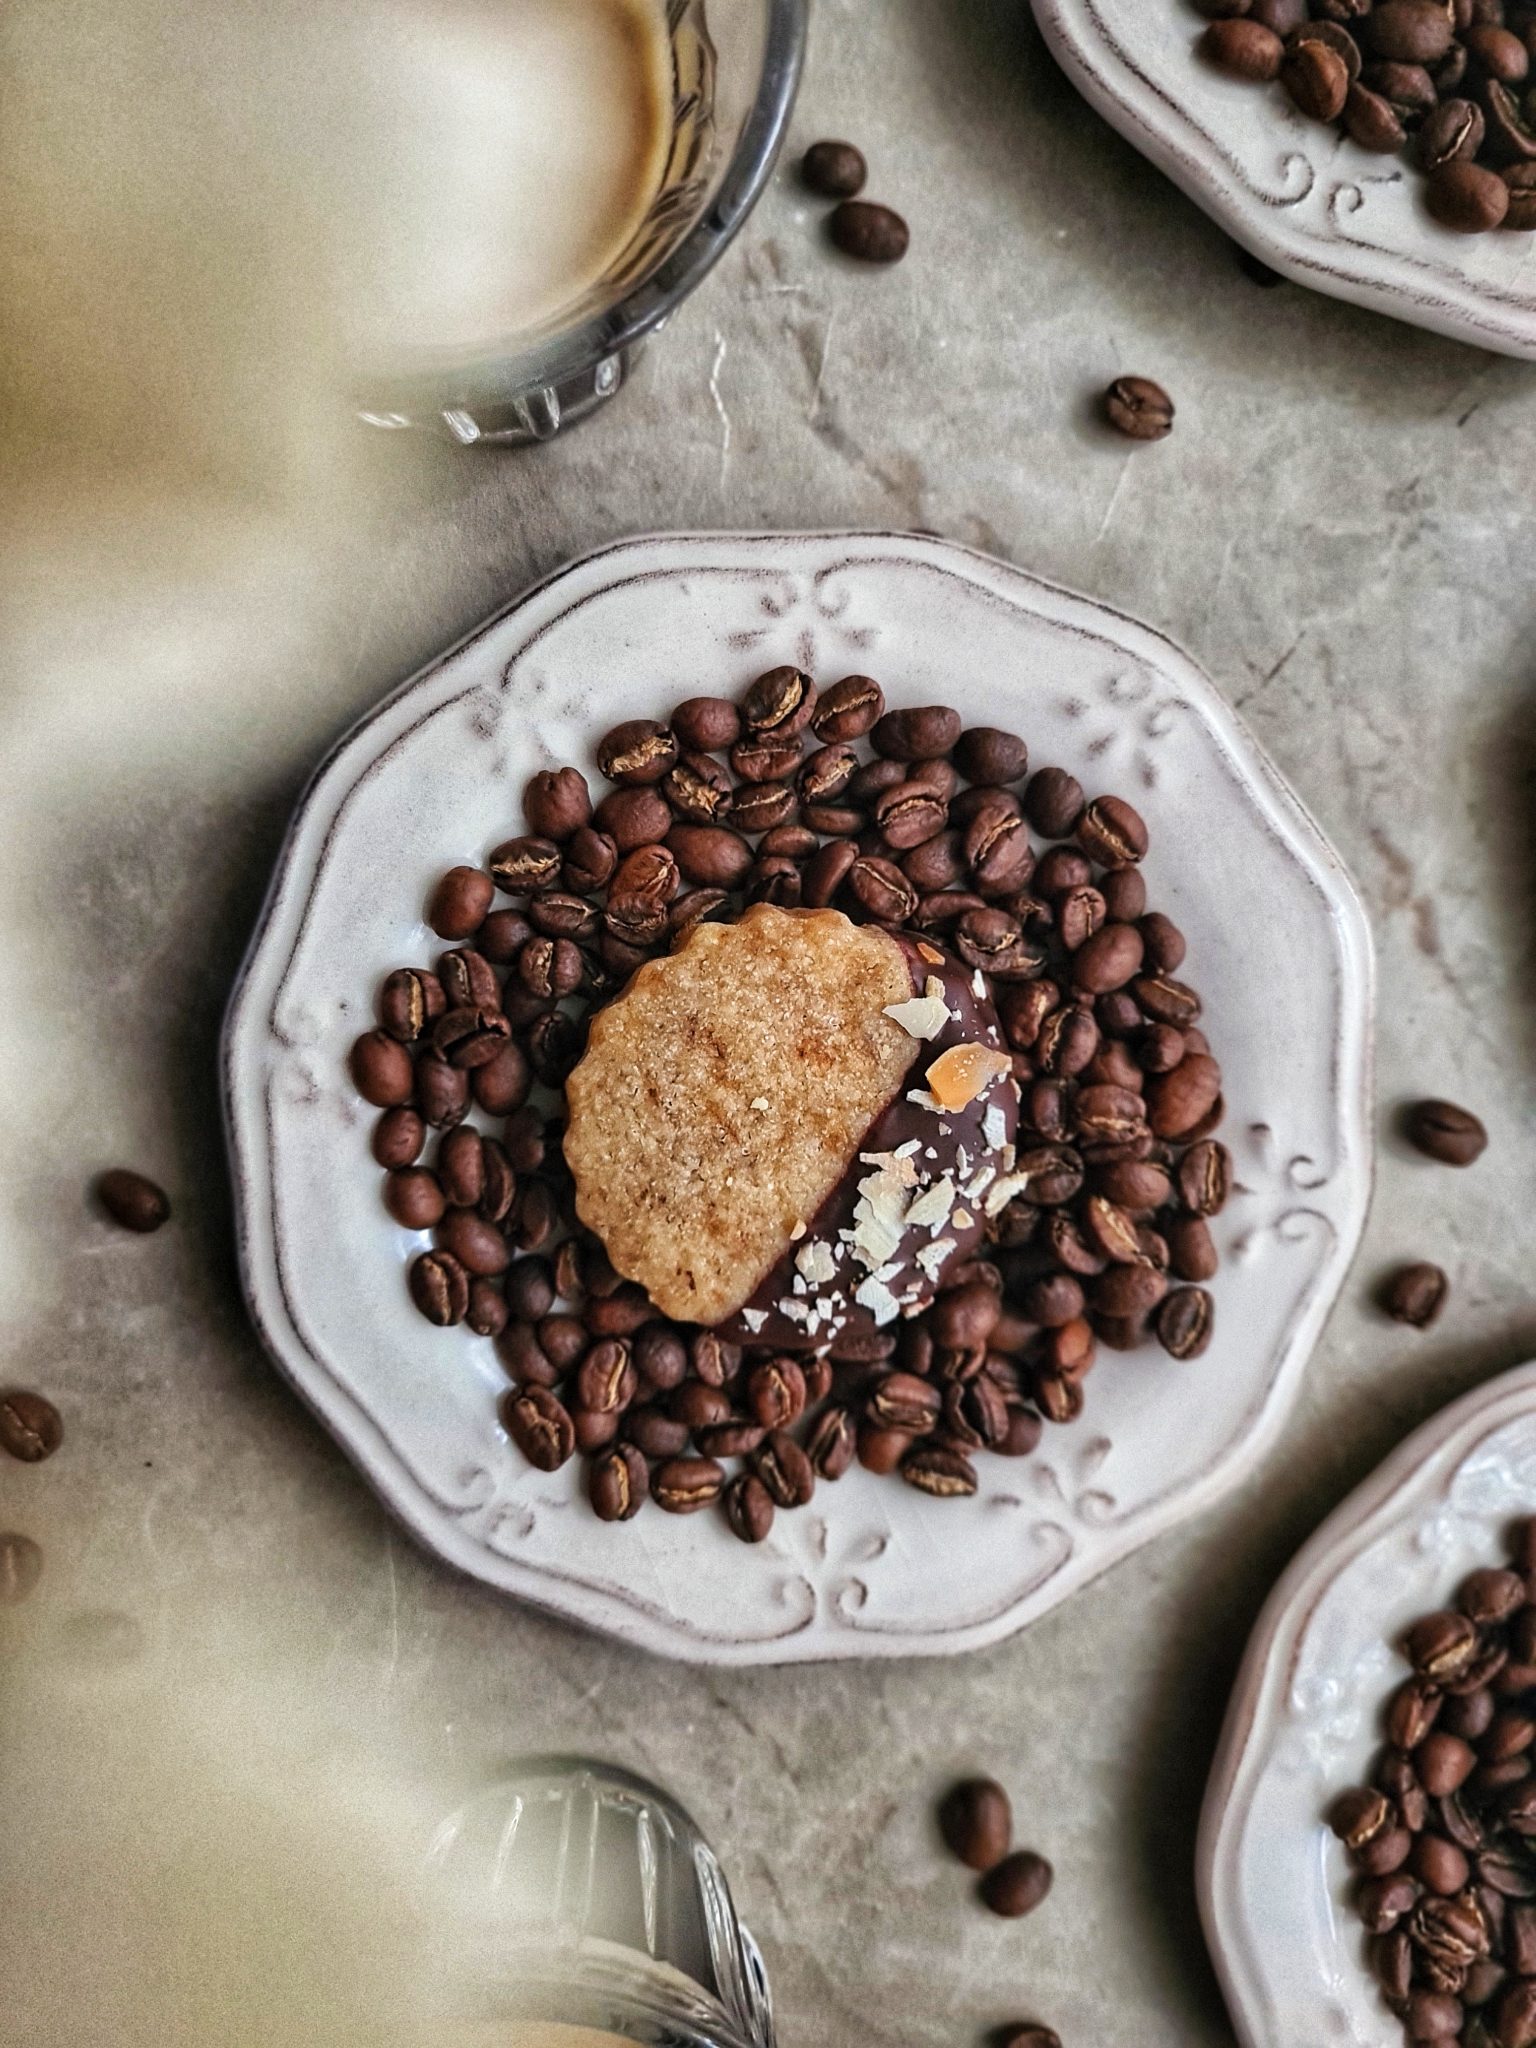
(767, 756)
(833, 170)
(1053, 802)
(500, 1084)
(1414, 1294)
(907, 815)
(557, 803)
(1441, 1647)
(487, 1314)
(781, 701)
(1490, 1595)
(31, 1428)
(594, 1429)
(825, 775)
(1111, 832)
(882, 1450)
(1108, 960)
(550, 968)
(655, 1432)
(1062, 869)
(478, 1246)
(1467, 1714)
(459, 903)
(526, 866)
(1125, 895)
(1443, 1762)
(524, 1359)
(749, 1508)
(832, 1442)
(996, 846)
(965, 1316)
(1381, 1903)
(1191, 1249)
(1387, 1852)
(1134, 1291)
(541, 1427)
(920, 733)
(1372, 121)
(1109, 1115)
(1243, 49)
(1432, 2016)
(137, 1203)
(976, 1822)
(935, 864)
(1177, 1102)
(937, 1470)
(1466, 198)
(1022, 1009)
(993, 941)
(1080, 912)
(606, 1379)
(590, 859)
(701, 1406)
(776, 1392)
(531, 1288)
(503, 936)
(1138, 408)
(1514, 2019)
(698, 789)
(785, 1470)
(627, 819)
(440, 1288)
(410, 1000)
(1205, 1177)
(640, 751)
(381, 1073)
(707, 725)
(1441, 1131)
(1017, 1885)
(713, 1361)
(1497, 52)
(868, 232)
(1184, 1322)
(849, 709)
(903, 1401)
(761, 806)
(469, 1038)
(398, 1138)
(618, 1483)
(660, 1357)
(881, 890)
(466, 981)
(1161, 1049)
(707, 854)
(442, 1091)
(1030, 2035)
(413, 1196)
(1409, 31)
(1317, 77)
(1521, 180)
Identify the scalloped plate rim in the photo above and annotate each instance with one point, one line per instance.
(364, 1441)
(1189, 154)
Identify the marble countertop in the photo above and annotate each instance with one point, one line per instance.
(1340, 530)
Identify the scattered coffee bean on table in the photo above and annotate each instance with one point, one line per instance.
(132, 1200)
(1443, 1837)
(834, 170)
(31, 1428)
(1442, 1131)
(1030, 2035)
(1000, 883)
(1446, 82)
(1017, 1885)
(21, 1566)
(976, 1822)
(1139, 409)
(869, 232)
(1415, 1294)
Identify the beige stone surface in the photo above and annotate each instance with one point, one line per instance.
(1340, 529)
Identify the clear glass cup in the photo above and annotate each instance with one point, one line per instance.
(736, 64)
(594, 1902)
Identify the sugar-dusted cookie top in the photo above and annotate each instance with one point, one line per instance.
(724, 1095)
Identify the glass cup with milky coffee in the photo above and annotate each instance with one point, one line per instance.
(589, 1912)
(560, 175)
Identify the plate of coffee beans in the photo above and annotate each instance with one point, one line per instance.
(797, 1097)
(1368, 1848)
(1380, 150)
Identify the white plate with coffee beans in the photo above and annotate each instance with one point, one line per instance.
(887, 1391)
(1302, 191)
(1394, 1652)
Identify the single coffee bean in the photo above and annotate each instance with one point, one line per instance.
(640, 751)
(1138, 408)
(550, 968)
(541, 1427)
(1521, 180)
(919, 733)
(785, 1470)
(501, 1084)
(985, 754)
(1452, 133)
(478, 1246)
(997, 847)
(138, 1203)
(1359, 1815)
(685, 1485)
(31, 1428)
(1030, 2035)
(869, 232)
(1111, 832)
(557, 803)
(381, 1073)
(776, 1392)
(468, 1038)
(832, 1443)
(760, 806)
(618, 1483)
(1443, 1762)
(1177, 1102)
(1514, 2017)
(413, 1196)
(1317, 78)
(1466, 198)
(908, 815)
(833, 170)
(976, 1822)
(459, 903)
(1432, 2016)
(707, 725)
(1385, 1853)
(1205, 1177)
(1108, 959)
(708, 854)
(1409, 31)
(1497, 52)
(1443, 1646)
(465, 980)
(749, 1508)
(441, 1092)
(881, 890)
(780, 701)
(503, 936)
(936, 864)
(1381, 1902)
(398, 1137)
(1373, 122)
(21, 1567)
(1415, 1294)
(937, 1470)
(487, 1314)
(1441, 1131)
(1109, 1115)
(849, 709)
(1243, 49)
(1017, 1885)
(409, 1001)
(1053, 802)
(1490, 1595)
(1191, 1249)
(440, 1288)
(1137, 1291)
(629, 818)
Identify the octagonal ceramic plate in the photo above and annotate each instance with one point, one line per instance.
(1305, 1716)
(1297, 193)
(1278, 946)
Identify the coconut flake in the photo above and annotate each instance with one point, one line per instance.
(754, 1318)
(932, 1256)
(816, 1263)
(1000, 1195)
(874, 1295)
(931, 1209)
(921, 1016)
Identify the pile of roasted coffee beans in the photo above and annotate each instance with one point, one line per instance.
(901, 818)
(1448, 80)
(1444, 1836)
(1416, 1293)
(859, 227)
(976, 1821)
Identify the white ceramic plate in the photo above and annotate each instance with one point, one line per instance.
(1305, 1718)
(1294, 191)
(1278, 946)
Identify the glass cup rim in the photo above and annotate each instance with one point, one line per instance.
(482, 376)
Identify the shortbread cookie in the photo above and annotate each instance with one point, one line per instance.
(723, 1096)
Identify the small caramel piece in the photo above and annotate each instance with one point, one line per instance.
(959, 1075)
(724, 1095)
